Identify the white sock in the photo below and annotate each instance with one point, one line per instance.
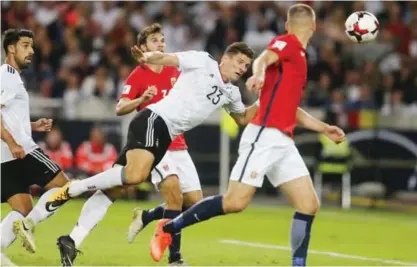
(105, 180)
(7, 234)
(93, 211)
(39, 212)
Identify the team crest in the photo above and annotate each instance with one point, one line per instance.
(165, 167)
(173, 81)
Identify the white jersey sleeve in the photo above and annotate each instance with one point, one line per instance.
(192, 60)
(236, 105)
(8, 87)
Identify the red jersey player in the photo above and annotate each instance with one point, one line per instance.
(266, 147)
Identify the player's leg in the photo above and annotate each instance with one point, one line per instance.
(15, 191)
(47, 174)
(93, 211)
(292, 176)
(165, 179)
(21, 204)
(138, 158)
(241, 189)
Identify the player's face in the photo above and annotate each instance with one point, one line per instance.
(155, 42)
(23, 52)
(236, 65)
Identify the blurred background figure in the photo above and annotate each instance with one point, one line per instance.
(95, 155)
(58, 149)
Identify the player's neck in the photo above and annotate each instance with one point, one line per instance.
(155, 68)
(11, 62)
(303, 37)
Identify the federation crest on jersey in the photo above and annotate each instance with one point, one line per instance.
(173, 81)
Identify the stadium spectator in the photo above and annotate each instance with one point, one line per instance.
(95, 155)
(57, 149)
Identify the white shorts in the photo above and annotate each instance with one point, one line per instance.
(268, 152)
(178, 163)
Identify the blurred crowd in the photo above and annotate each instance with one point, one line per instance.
(83, 48)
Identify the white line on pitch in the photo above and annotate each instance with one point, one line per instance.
(327, 253)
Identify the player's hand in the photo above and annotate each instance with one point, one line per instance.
(137, 54)
(254, 84)
(335, 134)
(149, 93)
(42, 125)
(17, 151)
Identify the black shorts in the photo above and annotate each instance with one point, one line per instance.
(146, 131)
(19, 174)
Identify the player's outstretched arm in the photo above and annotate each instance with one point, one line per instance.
(245, 117)
(261, 63)
(309, 122)
(156, 58)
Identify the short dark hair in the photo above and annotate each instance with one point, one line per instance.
(148, 30)
(240, 47)
(12, 36)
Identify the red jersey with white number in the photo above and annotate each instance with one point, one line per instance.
(143, 77)
(283, 85)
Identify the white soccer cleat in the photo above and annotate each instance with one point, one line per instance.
(24, 230)
(5, 261)
(136, 226)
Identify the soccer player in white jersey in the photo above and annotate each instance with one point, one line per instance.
(23, 163)
(175, 176)
(203, 87)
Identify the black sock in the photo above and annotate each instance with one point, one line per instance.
(202, 211)
(300, 238)
(156, 213)
(175, 247)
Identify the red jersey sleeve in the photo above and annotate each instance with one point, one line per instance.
(132, 88)
(282, 47)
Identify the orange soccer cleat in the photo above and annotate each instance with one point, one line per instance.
(160, 241)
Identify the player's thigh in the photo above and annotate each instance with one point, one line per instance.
(139, 163)
(293, 178)
(14, 180)
(256, 156)
(43, 171)
(290, 166)
(21, 202)
(187, 172)
(148, 140)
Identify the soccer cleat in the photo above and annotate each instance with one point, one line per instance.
(179, 262)
(58, 198)
(24, 230)
(160, 241)
(5, 261)
(136, 226)
(67, 249)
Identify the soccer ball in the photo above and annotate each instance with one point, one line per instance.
(362, 27)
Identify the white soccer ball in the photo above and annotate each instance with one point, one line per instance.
(362, 27)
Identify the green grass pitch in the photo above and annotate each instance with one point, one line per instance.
(258, 236)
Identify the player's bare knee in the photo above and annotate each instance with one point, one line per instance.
(135, 174)
(310, 206)
(234, 204)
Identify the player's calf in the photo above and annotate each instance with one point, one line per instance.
(304, 199)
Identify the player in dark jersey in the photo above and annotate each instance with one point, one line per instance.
(173, 176)
(266, 146)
